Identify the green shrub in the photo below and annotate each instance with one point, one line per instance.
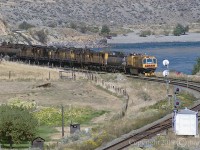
(83, 29)
(73, 25)
(94, 29)
(25, 26)
(180, 30)
(105, 30)
(196, 67)
(145, 33)
(166, 33)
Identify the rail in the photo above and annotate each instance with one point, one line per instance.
(156, 127)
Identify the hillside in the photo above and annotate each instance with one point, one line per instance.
(52, 19)
(118, 12)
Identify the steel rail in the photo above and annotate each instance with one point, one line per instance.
(153, 129)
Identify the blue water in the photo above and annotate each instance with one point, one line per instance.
(181, 55)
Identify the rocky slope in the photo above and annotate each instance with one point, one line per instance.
(54, 17)
(61, 12)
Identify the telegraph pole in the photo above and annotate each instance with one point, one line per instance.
(62, 108)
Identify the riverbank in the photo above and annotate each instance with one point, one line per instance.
(135, 38)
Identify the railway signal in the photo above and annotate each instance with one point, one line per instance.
(177, 103)
(177, 90)
(166, 74)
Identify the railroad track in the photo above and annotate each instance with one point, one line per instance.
(194, 85)
(154, 128)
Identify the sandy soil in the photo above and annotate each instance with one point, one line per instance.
(135, 38)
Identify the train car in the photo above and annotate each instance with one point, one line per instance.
(110, 61)
(10, 49)
(141, 64)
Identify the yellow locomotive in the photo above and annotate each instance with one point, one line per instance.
(141, 64)
(109, 61)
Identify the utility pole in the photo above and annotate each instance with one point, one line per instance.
(62, 108)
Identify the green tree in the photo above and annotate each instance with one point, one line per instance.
(73, 25)
(196, 67)
(25, 26)
(105, 30)
(180, 30)
(17, 125)
(83, 29)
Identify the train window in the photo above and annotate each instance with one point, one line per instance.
(144, 61)
(149, 61)
(154, 61)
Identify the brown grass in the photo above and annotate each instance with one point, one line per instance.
(180, 76)
(20, 71)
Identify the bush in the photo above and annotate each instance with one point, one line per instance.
(73, 25)
(180, 30)
(105, 30)
(25, 26)
(83, 29)
(196, 67)
(166, 33)
(145, 33)
(94, 29)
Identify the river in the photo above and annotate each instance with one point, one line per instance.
(181, 55)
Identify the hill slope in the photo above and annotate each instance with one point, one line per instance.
(117, 12)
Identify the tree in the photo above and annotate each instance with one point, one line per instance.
(73, 25)
(196, 67)
(25, 26)
(83, 29)
(17, 125)
(180, 30)
(105, 30)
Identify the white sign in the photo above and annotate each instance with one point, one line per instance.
(186, 123)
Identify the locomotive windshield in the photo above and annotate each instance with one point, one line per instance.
(149, 61)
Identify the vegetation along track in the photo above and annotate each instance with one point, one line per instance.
(156, 127)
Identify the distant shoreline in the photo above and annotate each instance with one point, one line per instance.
(135, 38)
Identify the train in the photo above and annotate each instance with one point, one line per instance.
(104, 60)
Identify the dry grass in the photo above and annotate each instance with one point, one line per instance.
(83, 92)
(19, 71)
(180, 76)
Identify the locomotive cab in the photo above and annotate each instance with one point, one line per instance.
(141, 64)
(149, 65)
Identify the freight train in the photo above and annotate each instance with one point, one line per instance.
(109, 61)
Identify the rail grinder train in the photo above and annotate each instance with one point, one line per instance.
(109, 61)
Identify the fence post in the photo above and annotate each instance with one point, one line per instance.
(49, 75)
(9, 75)
(60, 74)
